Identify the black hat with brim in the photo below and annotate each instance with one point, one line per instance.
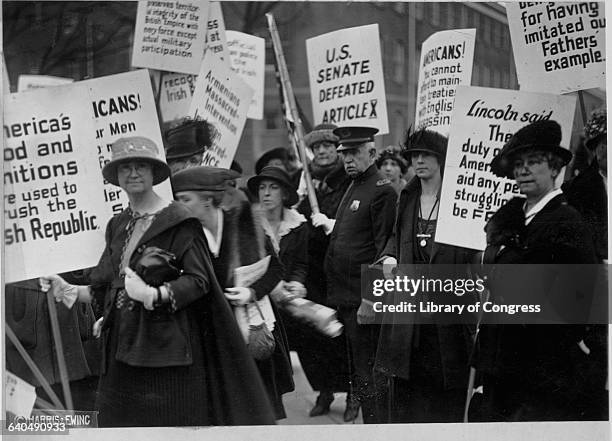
(276, 153)
(135, 149)
(276, 174)
(542, 136)
(426, 141)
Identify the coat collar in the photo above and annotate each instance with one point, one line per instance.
(166, 219)
(368, 173)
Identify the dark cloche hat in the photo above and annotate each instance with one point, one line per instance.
(277, 153)
(595, 128)
(187, 139)
(425, 141)
(353, 136)
(135, 148)
(540, 135)
(322, 132)
(393, 154)
(275, 174)
(202, 179)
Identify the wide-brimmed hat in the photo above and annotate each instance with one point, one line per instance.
(276, 174)
(426, 141)
(595, 128)
(202, 179)
(190, 138)
(542, 136)
(393, 154)
(276, 153)
(320, 133)
(353, 136)
(135, 148)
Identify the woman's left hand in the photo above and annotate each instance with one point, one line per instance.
(239, 295)
(138, 290)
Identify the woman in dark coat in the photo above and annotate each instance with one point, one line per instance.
(427, 362)
(324, 360)
(235, 238)
(173, 355)
(531, 372)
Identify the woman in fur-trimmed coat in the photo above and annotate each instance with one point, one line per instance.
(235, 239)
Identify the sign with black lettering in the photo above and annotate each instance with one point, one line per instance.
(558, 47)
(170, 35)
(483, 121)
(222, 99)
(27, 82)
(56, 140)
(446, 62)
(247, 54)
(216, 41)
(347, 86)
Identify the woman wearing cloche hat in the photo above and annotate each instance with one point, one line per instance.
(531, 372)
(162, 359)
(236, 239)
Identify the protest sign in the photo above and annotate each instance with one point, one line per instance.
(27, 82)
(222, 99)
(52, 180)
(123, 105)
(20, 396)
(170, 35)
(558, 47)
(247, 55)
(176, 92)
(446, 62)
(347, 85)
(483, 121)
(56, 142)
(216, 40)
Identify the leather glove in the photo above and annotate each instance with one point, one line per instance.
(320, 220)
(389, 264)
(62, 291)
(138, 290)
(239, 295)
(296, 289)
(365, 313)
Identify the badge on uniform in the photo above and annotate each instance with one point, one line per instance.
(355, 205)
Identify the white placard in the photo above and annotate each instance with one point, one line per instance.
(27, 82)
(222, 99)
(247, 55)
(169, 35)
(483, 121)
(347, 86)
(176, 92)
(56, 142)
(558, 47)
(446, 62)
(20, 396)
(216, 40)
(123, 105)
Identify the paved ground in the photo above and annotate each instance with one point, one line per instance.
(299, 402)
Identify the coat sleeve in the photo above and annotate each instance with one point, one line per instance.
(271, 278)
(194, 281)
(299, 266)
(382, 215)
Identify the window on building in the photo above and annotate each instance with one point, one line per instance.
(505, 80)
(273, 119)
(464, 17)
(486, 76)
(399, 7)
(418, 10)
(435, 13)
(486, 30)
(399, 61)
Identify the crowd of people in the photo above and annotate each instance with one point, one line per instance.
(165, 294)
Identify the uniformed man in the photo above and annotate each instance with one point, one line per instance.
(358, 234)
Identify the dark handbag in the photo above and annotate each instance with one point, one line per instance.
(157, 266)
(261, 342)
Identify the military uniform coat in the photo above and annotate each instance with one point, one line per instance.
(364, 222)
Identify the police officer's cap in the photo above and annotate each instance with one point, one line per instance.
(353, 136)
